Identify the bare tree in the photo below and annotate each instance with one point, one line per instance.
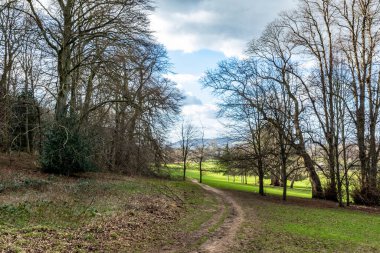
(69, 28)
(359, 43)
(276, 53)
(200, 152)
(11, 38)
(311, 28)
(98, 65)
(279, 107)
(238, 84)
(188, 135)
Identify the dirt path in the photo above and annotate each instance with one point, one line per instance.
(224, 236)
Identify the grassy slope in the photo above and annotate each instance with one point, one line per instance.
(101, 212)
(105, 212)
(274, 227)
(301, 188)
(298, 225)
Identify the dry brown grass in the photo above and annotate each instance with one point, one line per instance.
(100, 212)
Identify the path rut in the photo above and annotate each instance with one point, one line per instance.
(223, 237)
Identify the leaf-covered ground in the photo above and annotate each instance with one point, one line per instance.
(99, 212)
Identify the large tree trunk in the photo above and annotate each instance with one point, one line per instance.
(316, 186)
(317, 190)
(64, 63)
(64, 84)
(4, 102)
(331, 191)
(88, 97)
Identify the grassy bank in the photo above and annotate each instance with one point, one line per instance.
(98, 212)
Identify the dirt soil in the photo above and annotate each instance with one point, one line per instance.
(224, 236)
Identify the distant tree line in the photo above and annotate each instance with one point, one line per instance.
(308, 91)
(82, 83)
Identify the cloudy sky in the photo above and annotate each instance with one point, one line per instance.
(200, 33)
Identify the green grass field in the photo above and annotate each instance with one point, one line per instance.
(272, 226)
(301, 188)
(338, 225)
(298, 226)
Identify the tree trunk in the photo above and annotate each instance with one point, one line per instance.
(64, 84)
(27, 140)
(200, 170)
(292, 182)
(274, 181)
(4, 100)
(285, 181)
(261, 177)
(339, 181)
(283, 168)
(64, 64)
(373, 158)
(184, 169)
(317, 191)
(88, 96)
(331, 192)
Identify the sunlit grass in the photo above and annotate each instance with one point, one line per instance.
(276, 227)
(301, 188)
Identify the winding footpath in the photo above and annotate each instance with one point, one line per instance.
(224, 236)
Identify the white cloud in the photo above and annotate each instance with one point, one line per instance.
(183, 80)
(204, 116)
(197, 17)
(199, 108)
(192, 100)
(172, 36)
(201, 116)
(198, 111)
(219, 25)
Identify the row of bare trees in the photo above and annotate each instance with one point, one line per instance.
(86, 66)
(313, 79)
(193, 147)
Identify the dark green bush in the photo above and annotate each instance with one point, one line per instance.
(66, 150)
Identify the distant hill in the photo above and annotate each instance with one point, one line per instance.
(219, 142)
